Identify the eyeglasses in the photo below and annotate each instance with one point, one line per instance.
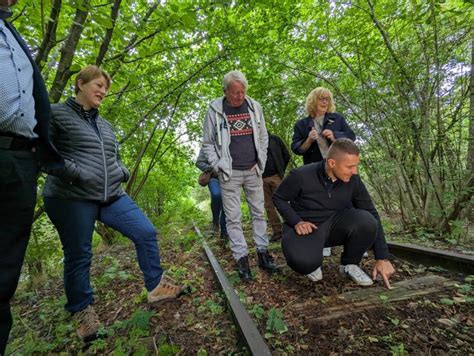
(325, 98)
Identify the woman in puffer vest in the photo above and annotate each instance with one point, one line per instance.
(88, 189)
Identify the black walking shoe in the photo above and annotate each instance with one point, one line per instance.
(244, 269)
(265, 262)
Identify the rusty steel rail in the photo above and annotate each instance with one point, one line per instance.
(252, 338)
(452, 261)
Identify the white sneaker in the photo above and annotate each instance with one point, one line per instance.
(356, 274)
(316, 275)
(326, 252)
(365, 255)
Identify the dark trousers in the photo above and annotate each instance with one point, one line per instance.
(75, 221)
(218, 215)
(354, 229)
(18, 174)
(270, 185)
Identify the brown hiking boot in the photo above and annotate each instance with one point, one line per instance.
(165, 291)
(89, 324)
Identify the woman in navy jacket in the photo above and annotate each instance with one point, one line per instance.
(313, 135)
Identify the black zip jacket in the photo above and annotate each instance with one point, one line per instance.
(308, 194)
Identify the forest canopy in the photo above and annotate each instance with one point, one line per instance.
(400, 72)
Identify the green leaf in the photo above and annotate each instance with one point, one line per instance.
(446, 301)
(394, 321)
(275, 321)
(189, 20)
(383, 298)
(103, 21)
(75, 68)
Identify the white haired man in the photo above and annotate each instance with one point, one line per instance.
(235, 142)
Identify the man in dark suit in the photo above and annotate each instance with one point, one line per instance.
(24, 145)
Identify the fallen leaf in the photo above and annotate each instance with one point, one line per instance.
(447, 322)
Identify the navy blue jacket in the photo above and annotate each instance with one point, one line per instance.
(332, 121)
(304, 195)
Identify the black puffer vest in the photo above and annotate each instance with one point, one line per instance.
(93, 170)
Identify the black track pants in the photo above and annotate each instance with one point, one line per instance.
(354, 229)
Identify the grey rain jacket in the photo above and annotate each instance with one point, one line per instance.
(216, 138)
(93, 169)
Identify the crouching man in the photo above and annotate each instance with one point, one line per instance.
(326, 204)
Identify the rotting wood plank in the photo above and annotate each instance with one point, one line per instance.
(401, 290)
(252, 337)
(366, 299)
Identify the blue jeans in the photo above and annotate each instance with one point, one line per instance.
(218, 215)
(75, 221)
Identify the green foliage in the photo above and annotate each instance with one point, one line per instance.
(275, 322)
(383, 298)
(113, 271)
(26, 335)
(398, 350)
(446, 301)
(233, 278)
(140, 320)
(44, 254)
(257, 311)
(168, 350)
(202, 352)
(394, 321)
(133, 331)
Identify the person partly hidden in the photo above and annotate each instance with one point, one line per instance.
(278, 158)
(327, 204)
(24, 146)
(88, 189)
(217, 208)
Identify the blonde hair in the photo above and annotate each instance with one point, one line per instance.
(312, 100)
(89, 73)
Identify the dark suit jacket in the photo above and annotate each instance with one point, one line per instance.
(47, 153)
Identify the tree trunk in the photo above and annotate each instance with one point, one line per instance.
(67, 54)
(104, 47)
(49, 39)
(470, 149)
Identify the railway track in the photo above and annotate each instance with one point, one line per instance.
(333, 309)
(453, 261)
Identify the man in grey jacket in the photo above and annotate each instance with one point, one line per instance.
(235, 143)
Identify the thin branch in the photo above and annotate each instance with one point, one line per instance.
(167, 95)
